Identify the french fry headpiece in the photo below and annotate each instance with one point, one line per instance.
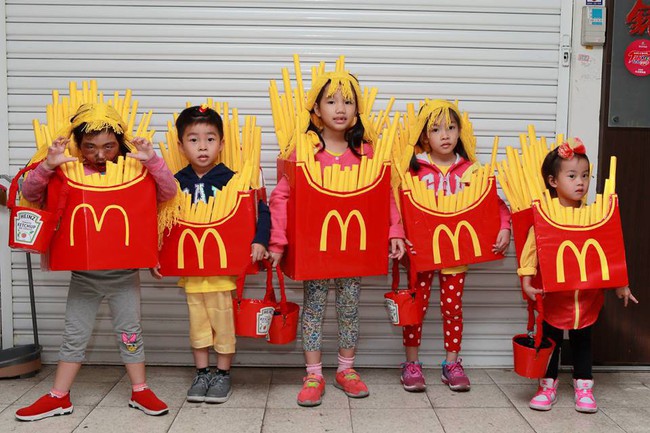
(350, 89)
(98, 117)
(431, 111)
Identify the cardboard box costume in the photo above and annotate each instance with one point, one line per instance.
(116, 210)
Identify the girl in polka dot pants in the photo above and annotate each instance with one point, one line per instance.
(443, 152)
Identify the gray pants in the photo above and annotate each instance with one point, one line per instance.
(121, 289)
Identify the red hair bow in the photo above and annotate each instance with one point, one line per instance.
(570, 147)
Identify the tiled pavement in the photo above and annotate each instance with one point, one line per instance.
(263, 400)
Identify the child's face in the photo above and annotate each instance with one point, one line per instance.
(97, 149)
(337, 113)
(442, 138)
(572, 181)
(201, 144)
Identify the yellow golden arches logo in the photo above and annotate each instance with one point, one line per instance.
(200, 245)
(344, 229)
(454, 240)
(99, 222)
(581, 255)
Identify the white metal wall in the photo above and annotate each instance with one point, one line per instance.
(502, 61)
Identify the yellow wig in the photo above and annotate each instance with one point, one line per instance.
(430, 112)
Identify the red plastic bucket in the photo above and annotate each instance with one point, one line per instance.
(284, 325)
(253, 316)
(529, 361)
(29, 229)
(532, 353)
(404, 307)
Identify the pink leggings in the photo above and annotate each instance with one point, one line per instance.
(451, 308)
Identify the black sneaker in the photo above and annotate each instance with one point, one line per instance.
(200, 385)
(219, 390)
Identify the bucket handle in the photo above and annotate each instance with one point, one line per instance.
(13, 189)
(412, 277)
(533, 322)
(269, 296)
(282, 305)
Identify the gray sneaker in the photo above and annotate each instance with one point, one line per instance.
(200, 385)
(219, 390)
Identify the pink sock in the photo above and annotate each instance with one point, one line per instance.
(58, 394)
(316, 369)
(345, 363)
(139, 387)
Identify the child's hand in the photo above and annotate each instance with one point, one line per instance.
(397, 248)
(626, 294)
(529, 290)
(258, 252)
(145, 149)
(155, 272)
(56, 154)
(503, 239)
(275, 258)
(409, 244)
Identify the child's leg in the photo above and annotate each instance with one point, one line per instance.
(412, 335)
(222, 325)
(347, 312)
(451, 307)
(122, 288)
(313, 310)
(201, 358)
(580, 340)
(80, 314)
(557, 335)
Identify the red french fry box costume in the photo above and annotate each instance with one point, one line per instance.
(448, 239)
(104, 227)
(31, 229)
(335, 234)
(581, 257)
(214, 248)
(404, 307)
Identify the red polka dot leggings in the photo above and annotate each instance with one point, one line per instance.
(451, 308)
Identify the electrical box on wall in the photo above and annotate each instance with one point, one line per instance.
(593, 26)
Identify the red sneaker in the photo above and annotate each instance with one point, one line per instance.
(313, 388)
(45, 407)
(148, 403)
(351, 384)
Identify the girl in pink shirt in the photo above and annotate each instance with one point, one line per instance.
(343, 140)
(440, 159)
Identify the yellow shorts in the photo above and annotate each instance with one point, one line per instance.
(212, 321)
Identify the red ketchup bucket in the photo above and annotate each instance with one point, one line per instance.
(284, 324)
(404, 307)
(253, 316)
(532, 353)
(30, 229)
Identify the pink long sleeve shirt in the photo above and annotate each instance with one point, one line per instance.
(450, 182)
(35, 184)
(280, 197)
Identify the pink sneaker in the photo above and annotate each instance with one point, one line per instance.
(546, 395)
(412, 378)
(585, 401)
(454, 375)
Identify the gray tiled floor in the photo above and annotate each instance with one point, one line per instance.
(264, 401)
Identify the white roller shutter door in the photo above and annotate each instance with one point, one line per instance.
(502, 61)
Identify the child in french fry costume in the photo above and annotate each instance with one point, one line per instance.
(102, 155)
(444, 189)
(561, 222)
(214, 192)
(331, 133)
